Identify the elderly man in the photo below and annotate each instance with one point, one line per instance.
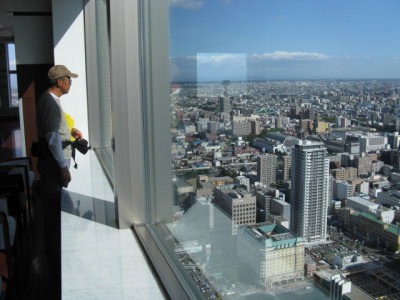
(53, 165)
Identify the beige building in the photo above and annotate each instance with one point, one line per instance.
(216, 181)
(287, 164)
(363, 164)
(239, 204)
(274, 254)
(322, 127)
(344, 173)
(305, 125)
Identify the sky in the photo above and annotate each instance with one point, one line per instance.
(284, 39)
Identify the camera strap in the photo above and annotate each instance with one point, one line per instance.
(64, 145)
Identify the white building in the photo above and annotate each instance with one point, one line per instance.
(310, 191)
(346, 259)
(338, 287)
(369, 142)
(243, 181)
(364, 205)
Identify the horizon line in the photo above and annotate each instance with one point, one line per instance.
(289, 79)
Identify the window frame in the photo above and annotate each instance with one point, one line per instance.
(9, 73)
(140, 88)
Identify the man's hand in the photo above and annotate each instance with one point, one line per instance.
(65, 176)
(76, 133)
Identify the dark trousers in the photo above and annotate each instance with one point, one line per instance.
(50, 194)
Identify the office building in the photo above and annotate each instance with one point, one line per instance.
(310, 191)
(280, 208)
(241, 128)
(266, 169)
(263, 199)
(239, 204)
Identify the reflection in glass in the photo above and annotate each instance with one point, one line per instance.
(14, 100)
(247, 83)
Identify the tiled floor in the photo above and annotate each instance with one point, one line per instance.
(98, 260)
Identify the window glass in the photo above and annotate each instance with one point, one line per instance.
(12, 69)
(14, 100)
(12, 66)
(104, 88)
(248, 81)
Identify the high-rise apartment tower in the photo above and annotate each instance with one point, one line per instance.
(310, 191)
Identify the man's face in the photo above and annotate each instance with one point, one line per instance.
(65, 84)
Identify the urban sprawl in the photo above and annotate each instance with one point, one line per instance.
(287, 186)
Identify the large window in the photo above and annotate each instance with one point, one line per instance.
(9, 92)
(236, 69)
(12, 73)
(98, 61)
(209, 98)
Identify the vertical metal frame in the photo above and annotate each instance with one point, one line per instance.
(155, 86)
(140, 93)
(91, 66)
(93, 84)
(129, 175)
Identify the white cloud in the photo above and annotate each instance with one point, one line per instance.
(13, 63)
(188, 4)
(283, 55)
(220, 58)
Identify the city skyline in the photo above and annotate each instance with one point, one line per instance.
(263, 40)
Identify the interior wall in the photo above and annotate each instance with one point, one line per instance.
(69, 50)
(33, 40)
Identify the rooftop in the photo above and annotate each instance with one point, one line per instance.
(362, 201)
(391, 228)
(272, 235)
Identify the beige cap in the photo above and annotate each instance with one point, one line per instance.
(59, 71)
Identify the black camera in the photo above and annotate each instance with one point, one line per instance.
(81, 145)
